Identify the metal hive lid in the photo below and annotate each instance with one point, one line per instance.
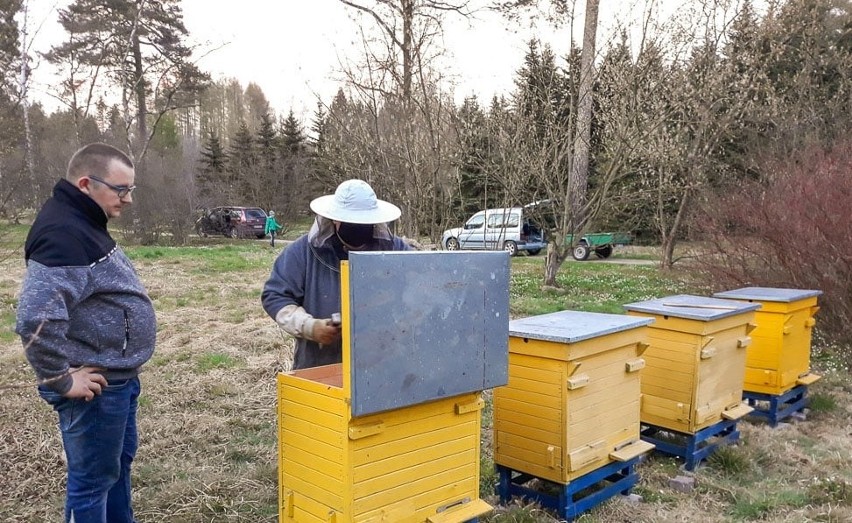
(699, 308)
(573, 326)
(769, 294)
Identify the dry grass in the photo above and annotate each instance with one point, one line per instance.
(208, 425)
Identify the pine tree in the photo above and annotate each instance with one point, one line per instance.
(474, 159)
(267, 141)
(140, 44)
(242, 162)
(292, 136)
(266, 181)
(10, 127)
(213, 159)
(317, 141)
(298, 163)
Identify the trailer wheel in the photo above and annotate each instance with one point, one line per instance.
(604, 252)
(581, 252)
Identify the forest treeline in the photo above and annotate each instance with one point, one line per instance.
(724, 98)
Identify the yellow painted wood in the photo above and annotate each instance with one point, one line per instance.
(634, 365)
(572, 351)
(362, 431)
(375, 463)
(462, 512)
(737, 411)
(808, 379)
(541, 429)
(631, 450)
(694, 370)
(567, 407)
(390, 513)
(779, 354)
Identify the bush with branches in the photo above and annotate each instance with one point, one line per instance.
(791, 229)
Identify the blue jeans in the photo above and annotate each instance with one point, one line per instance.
(100, 442)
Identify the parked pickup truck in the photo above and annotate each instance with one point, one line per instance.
(601, 243)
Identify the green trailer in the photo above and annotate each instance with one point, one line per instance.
(601, 243)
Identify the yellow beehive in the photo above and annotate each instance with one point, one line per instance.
(779, 357)
(415, 463)
(572, 402)
(693, 377)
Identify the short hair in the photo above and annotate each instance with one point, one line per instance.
(94, 159)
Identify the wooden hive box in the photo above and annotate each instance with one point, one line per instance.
(572, 401)
(392, 434)
(779, 357)
(693, 377)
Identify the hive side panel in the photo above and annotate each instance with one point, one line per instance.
(419, 457)
(796, 353)
(311, 450)
(603, 413)
(669, 378)
(529, 421)
(767, 339)
(721, 377)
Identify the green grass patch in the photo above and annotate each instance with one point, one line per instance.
(517, 513)
(7, 325)
(296, 227)
(822, 403)
(591, 287)
(488, 476)
(13, 236)
(214, 259)
(655, 496)
(210, 361)
(730, 460)
(834, 491)
(749, 508)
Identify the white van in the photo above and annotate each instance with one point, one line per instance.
(497, 229)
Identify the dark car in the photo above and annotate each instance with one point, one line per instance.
(234, 222)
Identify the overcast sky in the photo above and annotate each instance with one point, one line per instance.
(292, 48)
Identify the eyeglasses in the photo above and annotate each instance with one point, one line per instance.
(120, 190)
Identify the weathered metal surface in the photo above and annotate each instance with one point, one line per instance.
(699, 308)
(573, 326)
(769, 294)
(426, 325)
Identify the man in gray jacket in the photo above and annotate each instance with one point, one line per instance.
(87, 325)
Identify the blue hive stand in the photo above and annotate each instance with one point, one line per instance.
(774, 408)
(578, 496)
(692, 447)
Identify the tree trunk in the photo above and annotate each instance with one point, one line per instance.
(553, 261)
(670, 235)
(578, 181)
(25, 104)
(139, 88)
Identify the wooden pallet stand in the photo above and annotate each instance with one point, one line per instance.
(691, 447)
(580, 495)
(776, 407)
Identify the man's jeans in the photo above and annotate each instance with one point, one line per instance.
(100, 443)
